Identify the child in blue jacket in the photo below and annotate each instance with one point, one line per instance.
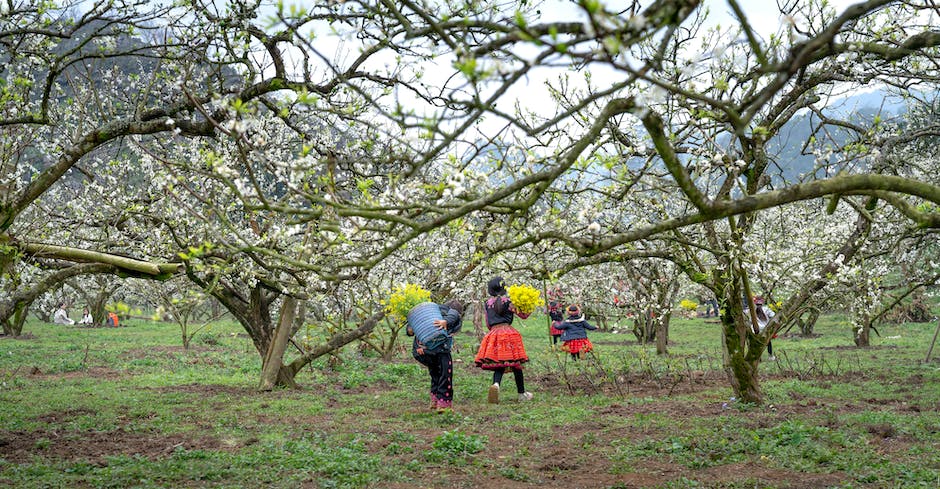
(574, 334)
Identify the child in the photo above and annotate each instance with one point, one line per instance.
(438, 359)
(502, 348)
(555, 314)
(86, 317)
(575, 333)
(61, 316)
(764, 314)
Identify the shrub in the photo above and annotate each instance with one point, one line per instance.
(403, 298)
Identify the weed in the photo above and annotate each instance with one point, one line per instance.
(453, 446)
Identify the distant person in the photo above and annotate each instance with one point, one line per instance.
(501, 348)
(711, 307)
(61, 316)
(86, 317)
(556, 316)
(438, 359)
(764, 315)
(575, 332)
(112, 321)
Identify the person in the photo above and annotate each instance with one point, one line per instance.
(711, 307)
(61, 316)
(438, 359)
(575, 333)
(556, 316)
(112, 319)
(86, 317)
(764, 314)
(501, 348)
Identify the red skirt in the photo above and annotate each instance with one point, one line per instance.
(501, 348)
(552, 330)
(581, 345)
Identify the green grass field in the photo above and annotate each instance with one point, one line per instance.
(128, 407)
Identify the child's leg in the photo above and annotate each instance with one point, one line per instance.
(520, 381)
(442, 385)
(492, 396)
(770, 348)
(576, 356)
(434, 370)
(520, 385)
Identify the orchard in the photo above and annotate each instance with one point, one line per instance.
(283, 168)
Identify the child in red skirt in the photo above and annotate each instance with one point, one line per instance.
(557, 316)
(502, 349)
(575, 333)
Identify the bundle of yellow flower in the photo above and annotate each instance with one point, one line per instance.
(404, 298)
(688, 305)
(524, 298)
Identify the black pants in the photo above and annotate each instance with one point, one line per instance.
(516, 372)
(441, 368)
(555, 338)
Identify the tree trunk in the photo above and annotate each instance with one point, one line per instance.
(743, 349)
(644, 327)
(806, 325)
(13, 326)
(273, 363)
(479, 329)
(662, 334)
(863, 334)
(98, 307)
(187, 339)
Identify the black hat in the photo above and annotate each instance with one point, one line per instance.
(496, 286)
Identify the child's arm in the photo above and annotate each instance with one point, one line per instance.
(522, 315)
(588, 325)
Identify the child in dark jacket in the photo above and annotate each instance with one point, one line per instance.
(438, 359)
(574, 333)
(557, 316)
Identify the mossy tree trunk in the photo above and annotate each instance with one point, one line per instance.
(743, 350)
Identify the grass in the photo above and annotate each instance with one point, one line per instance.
(128, 407)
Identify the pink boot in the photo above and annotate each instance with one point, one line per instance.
(444, 405)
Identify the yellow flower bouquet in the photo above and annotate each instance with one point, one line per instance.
(403, 299)
(524, 298)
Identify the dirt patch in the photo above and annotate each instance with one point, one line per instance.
(96, 446)
(165, 351)
(860, 349)
(213, 389)
(629, 384)
(106, 373)
(24, 336)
